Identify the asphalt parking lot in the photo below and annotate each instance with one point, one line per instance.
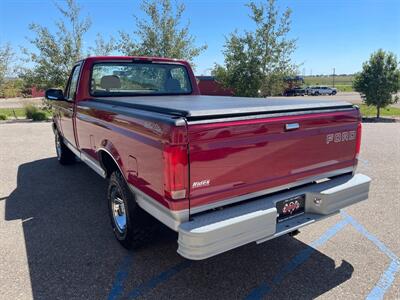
(56, 241)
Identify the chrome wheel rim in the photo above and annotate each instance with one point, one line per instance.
(118, 211)
(58, 146)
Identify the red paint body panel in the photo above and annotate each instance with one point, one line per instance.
(242, 157)
(237, 157)
(137, 148)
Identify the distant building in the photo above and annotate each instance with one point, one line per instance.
(208, 85)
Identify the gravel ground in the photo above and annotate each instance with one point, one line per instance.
(56, 241)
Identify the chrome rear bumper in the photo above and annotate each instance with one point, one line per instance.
(211, 233)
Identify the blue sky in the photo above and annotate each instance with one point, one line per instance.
(340, 34)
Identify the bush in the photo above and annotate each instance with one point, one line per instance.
(11, 88)
(30, 110)
(39, 116)
(3, 117)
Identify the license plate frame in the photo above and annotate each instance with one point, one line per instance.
(290, 208)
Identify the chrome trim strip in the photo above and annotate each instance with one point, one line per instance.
(198, 209)
(170, 218)
(72, 148)
(194, 121)
(90, 162)
(94, 165)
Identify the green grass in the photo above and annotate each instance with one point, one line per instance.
(342, 83)
(370, 111)
(19, 112)
(8, 112)
(344, 88)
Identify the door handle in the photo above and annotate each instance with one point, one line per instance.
(292, 126)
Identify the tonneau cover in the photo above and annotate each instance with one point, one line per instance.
(203, 106)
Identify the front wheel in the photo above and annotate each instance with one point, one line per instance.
(132, 226)
(64, 155)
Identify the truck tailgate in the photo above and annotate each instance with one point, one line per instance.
(247, 157)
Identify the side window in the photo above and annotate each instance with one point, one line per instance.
(73, 83)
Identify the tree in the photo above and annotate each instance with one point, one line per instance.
(6, 56)
(257, 62)
(103, 47)
(57, 52)
(242, 66)
(379, 80)
(161, 33)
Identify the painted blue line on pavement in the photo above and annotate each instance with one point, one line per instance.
(122, 274)
(387, 278)
(385, 282)
(263, 289)
(164, 276)
(364, 161)
(361, 229)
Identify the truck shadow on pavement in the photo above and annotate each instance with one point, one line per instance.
(72, 252)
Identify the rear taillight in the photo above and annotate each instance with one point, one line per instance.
(358, 140)
(175, 172)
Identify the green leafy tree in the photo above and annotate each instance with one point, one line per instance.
(257, 62)
(160, 33)
(242, 66)
(6, 56)
(56, 53)
(379, 80)
(103, 47)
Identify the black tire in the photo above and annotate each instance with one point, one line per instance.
(333, 93)
(316, 94)
(139, 226)
(64, 155)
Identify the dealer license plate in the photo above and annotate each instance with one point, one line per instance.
(290, 208)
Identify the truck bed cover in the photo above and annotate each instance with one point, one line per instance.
(206, 106)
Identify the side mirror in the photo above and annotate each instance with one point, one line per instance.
(54, 94)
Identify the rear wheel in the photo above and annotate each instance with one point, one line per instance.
(64, 155)
(132, 226)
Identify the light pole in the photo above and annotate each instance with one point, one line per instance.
(333, 77)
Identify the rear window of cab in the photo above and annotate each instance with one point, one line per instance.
(139, 78)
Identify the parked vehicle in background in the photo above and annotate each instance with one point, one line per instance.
(221, 171)
(321, 90)
(294, 92)
(308, 89)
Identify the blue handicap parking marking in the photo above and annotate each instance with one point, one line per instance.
(122, 274)
(263, 289)
(385, 282)
(387, 278)
(155, 281)
(377, 292)
(117, 289)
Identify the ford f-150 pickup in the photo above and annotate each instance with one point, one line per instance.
(220, 171)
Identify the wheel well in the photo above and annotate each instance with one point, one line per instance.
(108, 163)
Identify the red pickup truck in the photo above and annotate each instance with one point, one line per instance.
(221, 171)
